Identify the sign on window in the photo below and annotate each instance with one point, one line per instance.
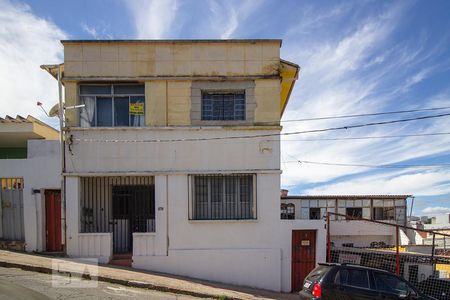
(137, 109)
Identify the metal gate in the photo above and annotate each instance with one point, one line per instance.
(12, 214)
(133, 211)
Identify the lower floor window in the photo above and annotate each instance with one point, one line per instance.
(223, 197)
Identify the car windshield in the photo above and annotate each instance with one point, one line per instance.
(317, 273)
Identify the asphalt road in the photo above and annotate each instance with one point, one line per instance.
(45, 284)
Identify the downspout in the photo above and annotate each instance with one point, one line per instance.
(63, 159)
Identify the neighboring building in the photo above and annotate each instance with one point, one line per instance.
(160, 169)
(386, 208)
(30, 181)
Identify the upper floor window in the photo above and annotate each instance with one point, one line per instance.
(288, 211)
(223, 106)
(109, 105)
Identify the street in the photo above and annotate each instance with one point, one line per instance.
(42, 283)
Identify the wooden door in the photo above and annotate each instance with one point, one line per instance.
(303, 256)
(53, 220)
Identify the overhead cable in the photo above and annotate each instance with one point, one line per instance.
(367, 115)
(262, 135)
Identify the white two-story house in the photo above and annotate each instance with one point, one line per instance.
(172, 163)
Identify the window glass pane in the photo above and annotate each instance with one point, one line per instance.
(391, 284)
(399, 202)
(137, 114)
(223, 106)
(357, 278)
(223, 197)
(104, 111)
(87, 89)
(129, 89)
(377, 203)
(121, 114)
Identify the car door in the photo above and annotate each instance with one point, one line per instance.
(355, 285)
(389, 286)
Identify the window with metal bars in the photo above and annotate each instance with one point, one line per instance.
(223, 197)
(222, 106)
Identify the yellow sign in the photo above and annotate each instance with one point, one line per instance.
(137, 109)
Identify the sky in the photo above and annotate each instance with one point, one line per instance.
(356, 57)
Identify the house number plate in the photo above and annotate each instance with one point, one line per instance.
(305, 243)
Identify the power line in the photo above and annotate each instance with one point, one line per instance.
(388, 166)
(265, 135)
(367, 115)
(370, 137)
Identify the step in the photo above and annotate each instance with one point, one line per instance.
(121, 262)
(122, 256)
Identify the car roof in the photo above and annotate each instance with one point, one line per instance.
(355, 266)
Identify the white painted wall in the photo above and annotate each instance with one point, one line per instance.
(40, 170)
(236, 154)
(96, 245)
(248, 252)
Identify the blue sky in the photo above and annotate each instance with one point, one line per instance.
(356, 57)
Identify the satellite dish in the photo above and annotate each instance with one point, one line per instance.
(54, 111)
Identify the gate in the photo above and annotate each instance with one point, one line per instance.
(303, 256)
(133, 211)
(12, 214)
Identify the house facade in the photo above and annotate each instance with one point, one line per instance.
(172, 162)
(351, 233)
(30, 207)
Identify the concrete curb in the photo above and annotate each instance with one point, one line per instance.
(135, 284)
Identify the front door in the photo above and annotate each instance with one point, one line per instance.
(303, 256)
(133, 211)
(53, 220)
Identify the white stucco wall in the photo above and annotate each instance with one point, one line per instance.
(89, 156)
(252, 253)
(40, 170)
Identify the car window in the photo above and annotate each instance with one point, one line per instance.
(318, 273)
(391, 284)
(353, 277)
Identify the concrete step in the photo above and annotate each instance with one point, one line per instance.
(121, 262)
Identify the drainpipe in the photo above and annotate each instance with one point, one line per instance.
(62, 150)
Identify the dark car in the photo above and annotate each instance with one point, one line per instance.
(351, 282)
(439, 288)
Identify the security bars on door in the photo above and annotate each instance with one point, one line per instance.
(99, 213)
(223, 197)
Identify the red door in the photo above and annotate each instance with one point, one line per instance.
(303, 256)
(53, 220)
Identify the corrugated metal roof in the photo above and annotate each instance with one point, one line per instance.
(17, 119)
(306, 197)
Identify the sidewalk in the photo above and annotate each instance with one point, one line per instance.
(141, 279)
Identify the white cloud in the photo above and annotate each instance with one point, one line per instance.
(418, 183)
(26, 42)
(436, 210)
(227, 16)
(347, 75)
(154, 19)
(90, 30)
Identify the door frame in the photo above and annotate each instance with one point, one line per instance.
(313, 246)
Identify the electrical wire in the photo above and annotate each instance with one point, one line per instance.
(370, 137)
(367, 115)
(265, 135)
(389, 166)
